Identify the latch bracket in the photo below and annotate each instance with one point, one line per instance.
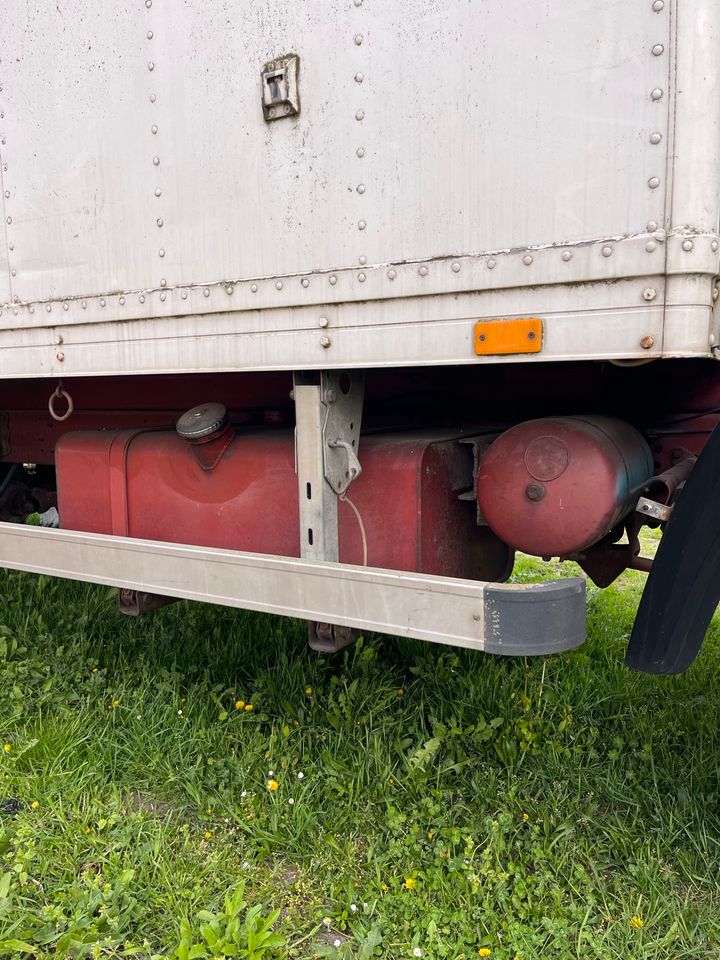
(280, 94)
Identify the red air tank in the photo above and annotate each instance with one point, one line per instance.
(555, 486)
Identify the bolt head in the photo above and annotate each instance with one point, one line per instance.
(535, 492)
(647, 342)
(325, 342)
(649, 293)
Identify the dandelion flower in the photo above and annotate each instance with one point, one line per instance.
(637, 922)
(484, 951)
(115, 703)
(239, 704)
(94, 669)
(309, 691)
(526, 817)
(401, 691)
(207, 835)
(272, 785)
(7, 748)
(248, 707)
(384, 887)
(409, 883)
(35, 805)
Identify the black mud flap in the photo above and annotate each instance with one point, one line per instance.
(683, 587)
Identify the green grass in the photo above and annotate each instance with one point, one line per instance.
(427, 797)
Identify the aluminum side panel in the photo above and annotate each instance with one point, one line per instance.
(482, 126)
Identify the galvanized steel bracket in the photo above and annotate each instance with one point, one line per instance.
(342, 394)
(328, 410)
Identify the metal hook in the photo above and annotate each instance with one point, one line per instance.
(60, 394)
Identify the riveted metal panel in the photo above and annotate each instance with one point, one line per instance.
(520, 150)
(482, 126)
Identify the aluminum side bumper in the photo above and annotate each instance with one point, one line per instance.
(510, 619)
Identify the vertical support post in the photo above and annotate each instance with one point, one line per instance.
(318, 501)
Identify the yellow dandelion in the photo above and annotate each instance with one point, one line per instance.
(94, 669)
(239, 704)
(516, 957)
(401, 691)
(384, 887)
(526, 817)
(409, 883)
(309, 691)
(637, 922)
(35, 805)
(249, 707)
(484, 951)
(7, 748)
(207, 835)
(115, 703)
(272, 785)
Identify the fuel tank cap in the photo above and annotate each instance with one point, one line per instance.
(202, 421)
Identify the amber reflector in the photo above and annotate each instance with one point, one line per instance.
(522, 335)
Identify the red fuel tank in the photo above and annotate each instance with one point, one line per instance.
(555, 486)
(150, 484)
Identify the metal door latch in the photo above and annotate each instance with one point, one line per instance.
(280, 95)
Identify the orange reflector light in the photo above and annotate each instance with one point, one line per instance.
(523, 335)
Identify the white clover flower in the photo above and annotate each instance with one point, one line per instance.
(291, 801)
(337, 943)
(353, 908)
(244, 793)
(301, 776)
(271, 773)
(417, 952)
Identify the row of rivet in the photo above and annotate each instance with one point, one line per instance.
(159, 221)
(656, 95)
(423, 270)
(6, 196)
(359, 78)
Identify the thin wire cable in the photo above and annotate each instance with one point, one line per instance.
(346, 499)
